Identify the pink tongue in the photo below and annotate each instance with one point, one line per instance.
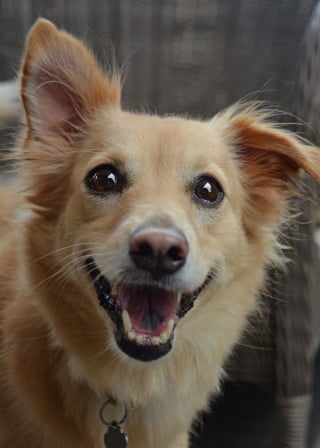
(149, 309)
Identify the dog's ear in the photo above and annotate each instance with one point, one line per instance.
(270, 160)
(61, 83)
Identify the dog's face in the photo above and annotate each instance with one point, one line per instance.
(148, 216)
(155, 197)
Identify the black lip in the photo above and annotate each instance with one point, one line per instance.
(103, 291)
(141, 352)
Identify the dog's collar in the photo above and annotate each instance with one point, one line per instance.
(115, 437)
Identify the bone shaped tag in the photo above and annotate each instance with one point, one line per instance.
(115, 437)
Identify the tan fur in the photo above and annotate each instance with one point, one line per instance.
(59, 361)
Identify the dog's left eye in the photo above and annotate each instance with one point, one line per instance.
(207, 191)
(105, 179)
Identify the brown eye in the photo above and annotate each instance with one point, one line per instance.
(207, 191)
(105, 179)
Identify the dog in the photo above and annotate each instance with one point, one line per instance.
(133, 250)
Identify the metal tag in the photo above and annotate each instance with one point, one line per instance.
(115, 438)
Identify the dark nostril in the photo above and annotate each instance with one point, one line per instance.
(176, 253)
(162, 251)
(145, 250)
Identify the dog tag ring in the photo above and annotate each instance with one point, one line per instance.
(115, 437)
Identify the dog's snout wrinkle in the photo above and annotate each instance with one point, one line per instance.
(158, 250)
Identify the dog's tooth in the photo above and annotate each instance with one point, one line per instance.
(139, 339)
(155, 340)
(170, 326)
(131, 335)
(127, 325)
(164, 336)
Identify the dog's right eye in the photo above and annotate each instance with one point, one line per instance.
(105, 179)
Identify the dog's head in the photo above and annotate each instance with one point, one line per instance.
(145, 215)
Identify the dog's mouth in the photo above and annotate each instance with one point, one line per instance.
(145, 316)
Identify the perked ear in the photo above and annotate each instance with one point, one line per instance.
(61, 83)
(270, 160)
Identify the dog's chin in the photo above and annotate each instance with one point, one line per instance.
(145, 316)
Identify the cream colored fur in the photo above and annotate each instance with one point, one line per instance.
(59, 360)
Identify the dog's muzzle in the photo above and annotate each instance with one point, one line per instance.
(145, 315)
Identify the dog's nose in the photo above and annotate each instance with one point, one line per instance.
(158, 250)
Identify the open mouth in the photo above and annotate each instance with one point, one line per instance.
(145, 316)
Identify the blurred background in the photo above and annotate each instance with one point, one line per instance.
(182, 56)
(197, 57)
